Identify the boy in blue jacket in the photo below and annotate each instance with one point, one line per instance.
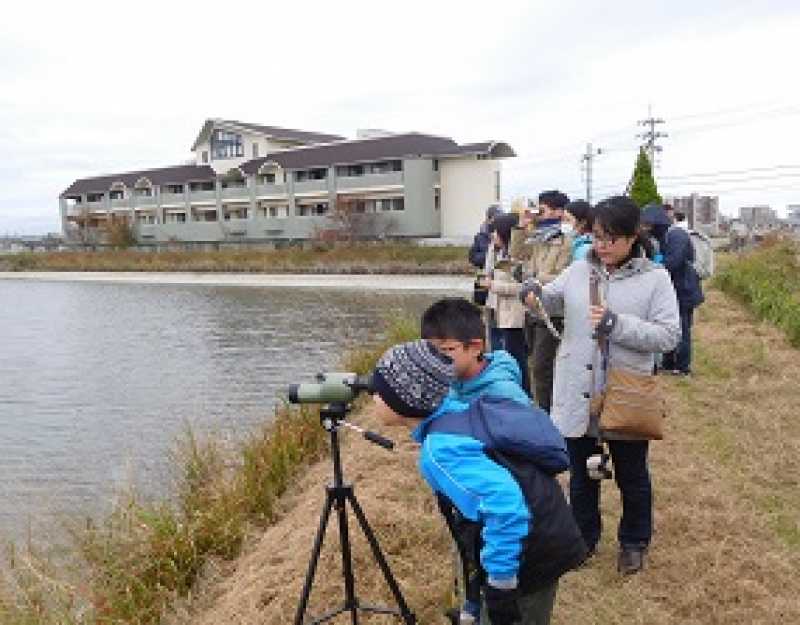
(490, 457)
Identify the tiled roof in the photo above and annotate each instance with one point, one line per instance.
(343, 152)
(288, 133)
(164, 175)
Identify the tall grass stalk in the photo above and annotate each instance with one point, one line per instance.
(144, 556)
(767, 280)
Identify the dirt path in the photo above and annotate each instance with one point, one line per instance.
(727, 543)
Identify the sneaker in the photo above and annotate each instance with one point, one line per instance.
(630, 560)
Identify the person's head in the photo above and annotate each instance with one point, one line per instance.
(501, 229)
(670, 211)
(493, 211)
(680, 216)
(616, 230)
(410, 381)
(455, 326)
(552, 203)
(579, 215)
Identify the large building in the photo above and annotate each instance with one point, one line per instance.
(702, 211)
(793, 216)
(759, 218)
(252, 183)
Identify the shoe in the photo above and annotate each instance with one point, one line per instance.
(630, 560)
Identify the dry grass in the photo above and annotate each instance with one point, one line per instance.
(726, 548)
(398, 258)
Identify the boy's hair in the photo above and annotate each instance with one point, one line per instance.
(453, 318)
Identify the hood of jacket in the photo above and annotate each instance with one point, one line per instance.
(500, 378)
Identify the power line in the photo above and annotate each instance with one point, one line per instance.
(730, 171)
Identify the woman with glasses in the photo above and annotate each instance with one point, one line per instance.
(637, 317)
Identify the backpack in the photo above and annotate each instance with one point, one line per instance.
(703, 262)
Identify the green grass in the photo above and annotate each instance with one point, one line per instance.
(132, 566)
(767, 281)
(401, 258)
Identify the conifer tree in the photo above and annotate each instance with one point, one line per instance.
(643, 186)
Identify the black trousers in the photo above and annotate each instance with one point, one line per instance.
(543, 356)
(633, 479)
(512, 340)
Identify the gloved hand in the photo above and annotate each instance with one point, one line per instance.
(531, 285)
(502, 605)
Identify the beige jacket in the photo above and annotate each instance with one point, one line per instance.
(550, 258)
(509, 311)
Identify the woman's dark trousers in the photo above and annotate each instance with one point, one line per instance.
(513, 341)
(633, 479)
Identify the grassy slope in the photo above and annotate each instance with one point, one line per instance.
(727, 543)
(383, 258)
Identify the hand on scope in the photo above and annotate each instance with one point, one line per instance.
(502, 605)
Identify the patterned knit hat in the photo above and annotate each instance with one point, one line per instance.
(413, 378)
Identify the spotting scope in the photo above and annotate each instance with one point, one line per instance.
(331, 387)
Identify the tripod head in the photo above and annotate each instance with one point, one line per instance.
(333, 417)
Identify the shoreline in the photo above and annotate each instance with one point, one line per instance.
(378, 282)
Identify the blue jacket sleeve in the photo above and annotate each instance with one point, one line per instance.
(485, 492)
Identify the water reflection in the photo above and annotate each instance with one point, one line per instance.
(97, 381)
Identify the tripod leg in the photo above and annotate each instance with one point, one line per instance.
(405, 613)
(312, 564)
(347, 561)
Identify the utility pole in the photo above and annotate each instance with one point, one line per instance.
(587, 160)
(651, 136)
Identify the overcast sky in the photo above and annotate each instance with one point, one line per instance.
(86, 88)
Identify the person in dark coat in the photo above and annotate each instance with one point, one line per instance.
(477, 253)
(677, 257)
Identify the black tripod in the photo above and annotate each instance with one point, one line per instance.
(338, 494)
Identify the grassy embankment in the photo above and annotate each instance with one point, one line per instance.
(398, 258)
(726, 548)
(143, 561)
(727, 545)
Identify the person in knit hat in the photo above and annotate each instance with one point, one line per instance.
(411, 380)
(489, 500)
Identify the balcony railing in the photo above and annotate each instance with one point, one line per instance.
(174, 199)
(235, 192)
(144, 200)
(270, 190)
(202, 196)
(369, 180)
(311, 186)
(121, 202)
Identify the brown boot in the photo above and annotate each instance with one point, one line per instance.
(630, 560)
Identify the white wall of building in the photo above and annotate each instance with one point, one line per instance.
(265, 146)
(467, 190)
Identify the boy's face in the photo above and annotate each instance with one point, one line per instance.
(466, 357)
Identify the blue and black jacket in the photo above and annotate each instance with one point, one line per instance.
(493, 458)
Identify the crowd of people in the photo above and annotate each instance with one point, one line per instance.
(501, 398)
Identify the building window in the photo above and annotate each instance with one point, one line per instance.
(176, 218)
(437, 200)
(201, 186)
(347, 171)
(94, 197)
(436, 164)
(143, 192)
(226, 145)
(116, 195)
(267, 179)
(174, 188)
(255, 150)
(497, 186)
(317, 209)
(310, 174)
(205, 156)
(398, 204)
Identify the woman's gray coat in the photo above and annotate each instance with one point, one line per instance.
(641, 295)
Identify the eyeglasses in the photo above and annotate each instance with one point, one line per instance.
(605, 239)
